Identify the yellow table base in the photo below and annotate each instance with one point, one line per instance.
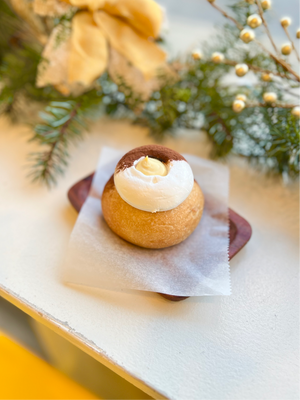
(25, 376)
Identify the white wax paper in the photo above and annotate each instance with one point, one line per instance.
(196, 267)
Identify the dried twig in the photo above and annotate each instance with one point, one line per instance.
(274, 105)
(255, 68)
(278, 60)
(261, 13)
(224, 13)
(290, 39)
(285, 89)
(285, 65)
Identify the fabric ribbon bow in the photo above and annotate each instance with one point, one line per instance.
(78, 53)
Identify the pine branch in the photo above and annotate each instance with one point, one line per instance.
(222, 138)
(65, 121)
(284, 146)
(265, 134)
(63, 124)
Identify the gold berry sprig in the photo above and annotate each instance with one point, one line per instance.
(247, 35)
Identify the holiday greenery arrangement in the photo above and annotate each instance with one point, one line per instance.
(83, 59)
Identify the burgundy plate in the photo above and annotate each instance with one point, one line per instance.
(240, 229)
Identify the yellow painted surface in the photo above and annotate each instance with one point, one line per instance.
(25, 376)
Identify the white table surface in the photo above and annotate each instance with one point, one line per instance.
(245, 346)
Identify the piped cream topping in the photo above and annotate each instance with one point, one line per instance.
(151, 166)
(162, 188)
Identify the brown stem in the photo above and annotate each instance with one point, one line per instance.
(286, 66)
(274, 105)
(290, 39)
(255, 68)
(227, 16)
(261, 13)
(275, 58)
(285, 89)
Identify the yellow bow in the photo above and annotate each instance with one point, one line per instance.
(126, 26)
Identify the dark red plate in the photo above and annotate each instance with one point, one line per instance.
(240, 229)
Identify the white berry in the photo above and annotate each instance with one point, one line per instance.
(238, 106)
(266, 4)
(241, 97)
(266, 77)
(254, 21)
(285, 22)
(286, 49)
(270, 97)
(241, 69)
(247, 35)
(196, 54)
(296, 111)
(217, 57)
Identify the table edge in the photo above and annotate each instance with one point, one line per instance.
(78, 340)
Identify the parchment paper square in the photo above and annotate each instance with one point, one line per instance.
(196, 267)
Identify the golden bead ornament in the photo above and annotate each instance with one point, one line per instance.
(296, 111)
(285, 22)
(196, 54)
(238, 105)
(217, 57)
(266, 4)
(298, 34)
(241, 69)
(254, 21)
(270, 97)
(247, 35)
(241, 97)
(286, 49)
(266, 77)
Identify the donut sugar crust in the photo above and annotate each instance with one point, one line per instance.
(152, 230)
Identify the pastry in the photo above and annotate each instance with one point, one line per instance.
(152, 200)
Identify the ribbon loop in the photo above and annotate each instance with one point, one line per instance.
(128, 26)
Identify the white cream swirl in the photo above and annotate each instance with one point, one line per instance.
(154, 193)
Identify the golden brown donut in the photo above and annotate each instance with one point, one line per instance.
(152, 230)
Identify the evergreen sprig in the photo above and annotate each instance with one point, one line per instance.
(60, 127)
(265, 134)
(62, 123)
